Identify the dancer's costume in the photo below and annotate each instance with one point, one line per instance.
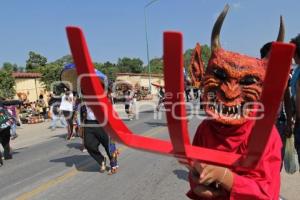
(94, 135)
(230, 81)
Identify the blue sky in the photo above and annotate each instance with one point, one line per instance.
(115, 28)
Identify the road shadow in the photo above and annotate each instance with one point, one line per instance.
(82, 163)
(74, 146)
(147, 111)
(61, 136)
(155, 124)
(15, 151)
(19, 149)
(181, 174)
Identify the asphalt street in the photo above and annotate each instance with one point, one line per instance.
(50, 167)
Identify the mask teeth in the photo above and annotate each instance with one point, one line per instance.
(227, 111)
(216, 109)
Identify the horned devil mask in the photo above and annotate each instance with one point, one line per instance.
(231, 78)
(232, 82)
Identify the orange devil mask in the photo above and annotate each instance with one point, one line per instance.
(232, 82)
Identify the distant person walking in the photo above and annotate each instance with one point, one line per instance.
(66, 106)
(187, 89)
(196, 93)
(12, 109)
(6, 121)
(41, 104)
(55, 113)
(161, 98)
(129, 103)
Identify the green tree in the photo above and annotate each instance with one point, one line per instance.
(15, 68)
(156, 66)
(35, 62)
(109, 64)
(51, 71)
(99, 66)
(10, 67)
(187, 58)
(21, 69)
(50, 74)
(7, 84)
(107, 68)
(64, 60)
(205, 54)
(134, 65)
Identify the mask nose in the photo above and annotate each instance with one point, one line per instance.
(230, 90)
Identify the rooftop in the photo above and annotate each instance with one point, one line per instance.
(26, 75)
(139, 74)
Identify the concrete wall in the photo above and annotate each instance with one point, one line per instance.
(33, 87)
(142, 80)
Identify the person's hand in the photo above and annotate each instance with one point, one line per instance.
(204, 177)
(208, 192)
(209, 173)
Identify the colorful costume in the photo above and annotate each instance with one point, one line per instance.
(232, 85)
(6, 121)
(263, 182)
(92, 131)
(231, 82)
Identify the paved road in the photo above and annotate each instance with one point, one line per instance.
(46, 166)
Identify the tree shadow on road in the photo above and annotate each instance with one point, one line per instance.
(155, 124)
(61, 136)
(147, 111)
(181, 174)
(81, 162)
(126, 119)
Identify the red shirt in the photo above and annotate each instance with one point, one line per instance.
(261, 183)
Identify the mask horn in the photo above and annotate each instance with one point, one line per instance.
(215, 35)
(281, 33)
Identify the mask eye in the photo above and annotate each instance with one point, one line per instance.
(220, 74)
(249, 80)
